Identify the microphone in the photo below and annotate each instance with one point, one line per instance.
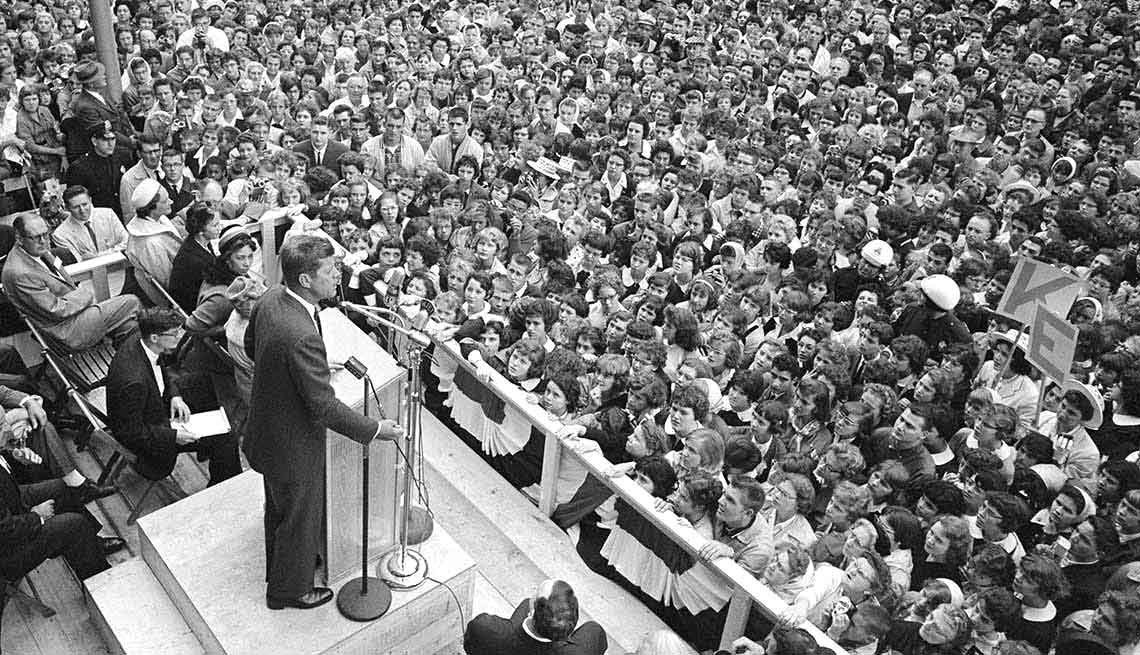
(379, 315)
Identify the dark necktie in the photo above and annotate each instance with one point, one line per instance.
(51, 266)
(317, 320)
(91, 233)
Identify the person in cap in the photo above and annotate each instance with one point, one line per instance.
(38, 286)
(99, 171)
(1081, 410)
(154, 241)
(934, 320)
(92, 111)
(876, 256)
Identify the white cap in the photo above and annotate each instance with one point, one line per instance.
(942, 291)
(878, 252)
(145, 192)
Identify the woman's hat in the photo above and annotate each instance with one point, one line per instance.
(545, 166)
(145, 192)
(229, 233)
(1094, 398)
(1015, 338)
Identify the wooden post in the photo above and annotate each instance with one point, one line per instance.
(102, 23)
(269, 267)
(738, 609)
(548, 486)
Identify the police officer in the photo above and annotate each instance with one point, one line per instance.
(99, 170)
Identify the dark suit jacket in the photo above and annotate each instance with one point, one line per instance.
(138, 414)
(292, 403)
(332, 152)
(190, 264)
(89, 112)
(18, 524)
(494, 635)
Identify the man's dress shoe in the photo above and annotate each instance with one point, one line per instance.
(89, 491)
(315, 598)
(112, 545)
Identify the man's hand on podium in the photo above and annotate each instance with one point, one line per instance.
(389, 430)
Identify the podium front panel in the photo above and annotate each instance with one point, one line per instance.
(343, 471)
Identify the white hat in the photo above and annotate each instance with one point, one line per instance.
(1014, 338)
(942, 291)
(145, 192)
(878, 252)
(546, 166)
(1094, 398)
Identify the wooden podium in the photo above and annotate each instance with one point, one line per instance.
(343, 455)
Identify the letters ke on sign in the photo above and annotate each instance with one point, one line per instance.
(1034, 282)
(1052, 343)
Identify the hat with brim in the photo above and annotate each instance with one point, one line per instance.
(1022, 185)
(229, 233)
(566, 164)
(1014, 338)
(88, 71)
(103, 131)
(1094, 398)
(545, 166)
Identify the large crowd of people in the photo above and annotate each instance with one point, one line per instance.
(751, 253)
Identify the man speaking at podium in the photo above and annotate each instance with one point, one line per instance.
(291, 407)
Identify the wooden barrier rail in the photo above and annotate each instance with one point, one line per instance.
(747, 591)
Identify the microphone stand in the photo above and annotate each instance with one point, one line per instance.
(403, 567)
(363, 598)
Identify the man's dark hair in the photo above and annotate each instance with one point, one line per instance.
(73, 191)
(156, 320)
(1013, 510)
(303, 254)
(556, 615)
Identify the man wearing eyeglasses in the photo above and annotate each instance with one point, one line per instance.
(39, 287)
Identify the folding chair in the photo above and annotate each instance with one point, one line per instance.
(80, 373)
(11, 590)
(13, 200)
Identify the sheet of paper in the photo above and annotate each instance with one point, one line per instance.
(205, 424)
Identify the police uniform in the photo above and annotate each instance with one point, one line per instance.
(99, 175)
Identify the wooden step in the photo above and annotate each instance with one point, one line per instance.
(135, 616)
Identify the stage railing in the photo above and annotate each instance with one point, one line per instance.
(747, 591)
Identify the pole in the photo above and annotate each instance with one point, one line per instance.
(404, 567)
(355, 600)
(103, 25)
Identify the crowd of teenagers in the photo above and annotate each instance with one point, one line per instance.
(751, 252)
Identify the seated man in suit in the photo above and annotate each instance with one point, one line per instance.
(546, 623)
(143, 398)
(46, 519)
(24, 425)
(35, 282)
(88, 231)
